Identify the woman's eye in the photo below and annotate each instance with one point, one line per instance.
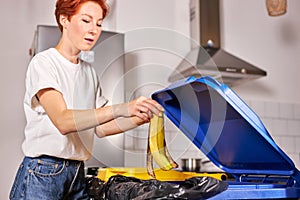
(99, 25)
(85, 21)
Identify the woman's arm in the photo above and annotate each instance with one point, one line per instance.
(118, 125)
(67, 121)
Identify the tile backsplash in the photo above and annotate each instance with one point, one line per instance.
(282, 120)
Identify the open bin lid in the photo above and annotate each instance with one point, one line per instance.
(223, 127)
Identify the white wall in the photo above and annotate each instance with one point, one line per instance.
(272, 43)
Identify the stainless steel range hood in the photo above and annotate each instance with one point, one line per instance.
(210, 58)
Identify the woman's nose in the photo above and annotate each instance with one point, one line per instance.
(94, 29)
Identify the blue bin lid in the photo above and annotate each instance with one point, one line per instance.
(223, 127)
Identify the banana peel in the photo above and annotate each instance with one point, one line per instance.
(157, 150)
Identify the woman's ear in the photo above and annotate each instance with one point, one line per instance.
(63, 20)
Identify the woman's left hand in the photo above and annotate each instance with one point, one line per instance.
(144, 108)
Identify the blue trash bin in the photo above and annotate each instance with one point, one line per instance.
(233, 137)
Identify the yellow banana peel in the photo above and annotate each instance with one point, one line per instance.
(157, 149)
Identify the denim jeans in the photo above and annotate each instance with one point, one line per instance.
(49, 178)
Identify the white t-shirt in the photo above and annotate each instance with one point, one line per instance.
(80, 87)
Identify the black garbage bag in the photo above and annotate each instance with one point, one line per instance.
(119, 187)
(95, 188)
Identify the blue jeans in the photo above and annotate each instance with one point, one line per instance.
(49, 178)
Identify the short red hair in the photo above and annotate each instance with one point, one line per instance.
(69, 8)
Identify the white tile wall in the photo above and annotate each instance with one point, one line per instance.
(297, 111)
(282, 120)
(271, 109)
(286, 111)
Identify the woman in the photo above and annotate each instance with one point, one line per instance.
(64, 109)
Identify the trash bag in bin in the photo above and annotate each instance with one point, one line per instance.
(120, 187)
(95, 188)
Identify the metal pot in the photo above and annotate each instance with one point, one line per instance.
(191, 164)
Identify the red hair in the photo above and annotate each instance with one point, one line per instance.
(69, 8)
